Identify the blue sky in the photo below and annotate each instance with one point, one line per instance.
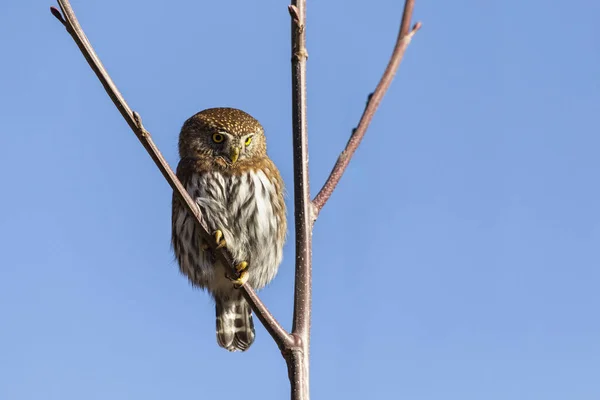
(458, 259)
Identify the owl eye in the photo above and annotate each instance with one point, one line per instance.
(218, 138)
(248, 141)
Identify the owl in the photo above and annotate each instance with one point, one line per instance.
(225, 168)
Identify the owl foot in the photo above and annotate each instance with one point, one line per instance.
(239, 282)
(219, 239)
(241, 269)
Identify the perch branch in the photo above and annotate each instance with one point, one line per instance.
(283, 339)
(404, 38)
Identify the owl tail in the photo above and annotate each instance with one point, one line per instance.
(235, 329)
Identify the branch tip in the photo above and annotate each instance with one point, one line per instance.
(57, 14)
(294, 13)
(404, 37)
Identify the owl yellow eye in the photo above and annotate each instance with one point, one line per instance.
(218, 138)
(248, 141)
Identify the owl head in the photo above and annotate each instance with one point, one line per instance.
(226, 136)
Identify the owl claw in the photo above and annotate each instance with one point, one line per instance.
(241, 267)
(219, 239)
(239, 282)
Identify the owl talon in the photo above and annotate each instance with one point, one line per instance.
(239, 282)
(219, 239)
(204, 246)
(241, 267)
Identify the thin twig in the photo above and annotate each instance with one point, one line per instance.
(404, 38)
(282, 338)
(298, 358)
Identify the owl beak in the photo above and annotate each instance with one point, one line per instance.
(235, 153)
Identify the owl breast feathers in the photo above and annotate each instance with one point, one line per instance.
(238, 189)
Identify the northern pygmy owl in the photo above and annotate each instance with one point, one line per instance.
(225, 168)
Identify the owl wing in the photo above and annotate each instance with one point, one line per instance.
(184, 173)
(278, 202)
(185, 170)
(185, 239)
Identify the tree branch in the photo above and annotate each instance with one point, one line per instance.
(404, 38)
(298, 360)
(283, 339)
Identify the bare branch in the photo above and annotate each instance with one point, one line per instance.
(404, 38)
(282, 338)
(301, 184)
(298, 361)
